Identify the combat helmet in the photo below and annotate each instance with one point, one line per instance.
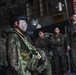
(17, 17)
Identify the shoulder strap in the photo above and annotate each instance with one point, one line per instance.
(26, 43)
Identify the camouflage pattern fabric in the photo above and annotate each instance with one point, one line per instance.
(44, 66)
(43, 47)
(3, 60)
(73, 43)
(59, 53)
(73, 51)
(43, 43)
(18, 54)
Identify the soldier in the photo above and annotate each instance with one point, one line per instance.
(59, 54)
(43, 43)
(3, 60)
(19, 50)
(73, 39)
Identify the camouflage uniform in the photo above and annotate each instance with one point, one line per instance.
(44, 66)
(28, 38)
(43, 44)
(59, 53)
(73, 44)
(3, 60)
(18, 54)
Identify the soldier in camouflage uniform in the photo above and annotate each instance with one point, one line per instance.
(19, 50)
(43, 43)
(73, 39)
(3, 60)
(59, 53)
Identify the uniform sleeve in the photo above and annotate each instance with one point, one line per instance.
(52, 40)
(12, 51)
(61, 41)
(42, 43)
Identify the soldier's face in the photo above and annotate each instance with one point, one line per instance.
(41, 34)
(22, 25)
(74, 18)
(57, 30)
